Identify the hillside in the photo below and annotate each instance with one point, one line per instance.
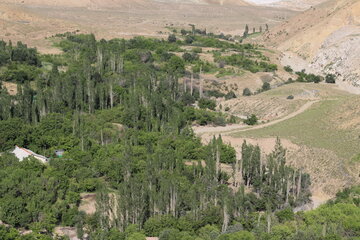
(298, 4)
(326, 36)
(120, 3)
(31, 21)
(171, 120)
(120, 112)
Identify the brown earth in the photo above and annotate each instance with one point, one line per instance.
(69, 232)
(10, 87)
(88, 203)
(31, 21)
(297, 4)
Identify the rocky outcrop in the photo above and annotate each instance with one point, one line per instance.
(327, 36)
(340, 55)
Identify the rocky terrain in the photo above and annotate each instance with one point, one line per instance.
(326, 37)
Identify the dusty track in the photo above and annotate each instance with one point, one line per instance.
(227, 130)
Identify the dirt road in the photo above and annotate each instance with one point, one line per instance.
(227, 130)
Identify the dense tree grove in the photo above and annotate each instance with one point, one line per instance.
(121, 112)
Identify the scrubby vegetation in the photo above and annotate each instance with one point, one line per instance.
(252, 120)
(330, 78)
(247, 92)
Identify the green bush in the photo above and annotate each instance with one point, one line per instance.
(197, 50)
(189, 39)
(215, 93)
(190, 57)
(288, 69)
(330, 78)
(219, 121)
(230, 95)
(136, 236)
(170, 234)
(266, 86)
(252, 120)
(205, 103)
(228, 154)
(155, 225)
(285, 215)
(241, 235)
(247, 92)
(19, 73)
(172, 38)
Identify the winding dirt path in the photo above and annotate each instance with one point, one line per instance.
(226, 130)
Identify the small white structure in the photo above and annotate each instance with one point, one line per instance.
(22, 153)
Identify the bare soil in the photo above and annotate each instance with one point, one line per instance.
(33, 20)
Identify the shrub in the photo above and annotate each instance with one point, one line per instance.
(228, 154)
(230, 95)
(170, 234)
(242, 235)
(207, 103)
(187, 99)
(227, 109)
(155, 225)
(266, 86)
(290, 97)
(20, 73)
(175, 65)
(330, 78)
(215, 93)
(189, 39)
(222, 64)
(304, 77)
(313, 78)
(136, 236)
(172, 38)
(197, 50)
(284, 215)
(219, 121)
(288, 69)
(209, 232)
(247, 92)
(290, 80)
(252, 120)
(190, 57)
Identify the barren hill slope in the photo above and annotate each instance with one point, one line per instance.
(300, 4)
(327, 36)
(119, 3)
(31, 21)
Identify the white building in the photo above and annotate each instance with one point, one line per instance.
(22, 153)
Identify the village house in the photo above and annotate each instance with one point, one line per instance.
(22, 153)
